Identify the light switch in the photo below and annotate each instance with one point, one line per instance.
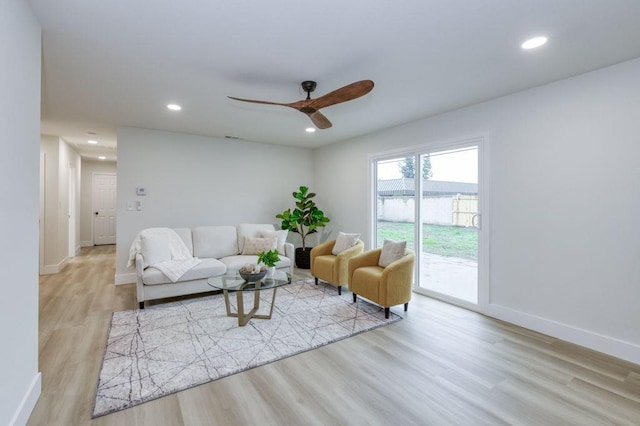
(130, 205)
(139, 206)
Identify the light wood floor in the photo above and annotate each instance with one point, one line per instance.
(441, 365)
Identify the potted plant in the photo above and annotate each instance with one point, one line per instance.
(305, 220)
(269, 258)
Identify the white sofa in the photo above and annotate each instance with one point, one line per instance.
(219, 248)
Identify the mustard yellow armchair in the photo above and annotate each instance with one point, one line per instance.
(388, 286)
(330, 267)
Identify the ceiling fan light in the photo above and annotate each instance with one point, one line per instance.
(532, 43)
(310, 129)
(174, 107)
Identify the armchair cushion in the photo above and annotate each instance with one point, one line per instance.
(344, 241)
(391, 251)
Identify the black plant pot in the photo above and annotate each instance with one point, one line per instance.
(303, 257)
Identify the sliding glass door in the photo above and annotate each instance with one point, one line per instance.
(449, 221)
(438, 186)
(395, 202)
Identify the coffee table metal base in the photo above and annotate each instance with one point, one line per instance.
(243, 318)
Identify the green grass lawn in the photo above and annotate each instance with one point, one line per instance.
(450, 241)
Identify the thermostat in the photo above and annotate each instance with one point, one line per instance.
(141, 191)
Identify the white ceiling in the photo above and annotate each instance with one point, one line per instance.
(119, 62)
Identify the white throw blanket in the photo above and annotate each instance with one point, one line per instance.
(178, 258)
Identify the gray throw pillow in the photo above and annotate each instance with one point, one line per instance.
(391, 251)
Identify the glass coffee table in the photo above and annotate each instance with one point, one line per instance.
(233, 282)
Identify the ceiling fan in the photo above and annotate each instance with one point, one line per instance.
(312, 107)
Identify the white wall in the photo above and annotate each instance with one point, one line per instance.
(86, 193)
(60, 161)
(565, 157)
(195, 180)
(19, 182)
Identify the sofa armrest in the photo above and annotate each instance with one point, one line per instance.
(290, 252)
(322, 249)
(351, 251)
(397, 280)
(139, 272)
(341, 264)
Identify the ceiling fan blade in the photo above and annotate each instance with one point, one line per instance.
(319, 120)
(258, 102)
(343, 94)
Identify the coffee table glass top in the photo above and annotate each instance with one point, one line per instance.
(232, 281)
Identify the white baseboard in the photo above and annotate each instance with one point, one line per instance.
(611, 346)
(125, 278)
(54, 269)
(28, 402)
(86, 243)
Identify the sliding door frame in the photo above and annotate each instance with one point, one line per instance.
(484, 203)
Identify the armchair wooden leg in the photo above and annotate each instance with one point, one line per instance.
(354, 297)
(386, 313)
(339, 290)
(316, 281)
(141, 304)
(406, 306)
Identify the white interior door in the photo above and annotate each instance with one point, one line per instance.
(104, 208)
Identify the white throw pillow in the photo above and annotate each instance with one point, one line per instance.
(257, 245)
(344, 241)
(280, 235)
(155, 248)
(391, 251)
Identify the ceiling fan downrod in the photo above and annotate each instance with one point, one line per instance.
(308, 86)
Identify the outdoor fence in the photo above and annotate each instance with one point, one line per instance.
(457, 210)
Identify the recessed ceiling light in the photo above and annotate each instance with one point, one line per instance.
(310, 129)
(92, 142)
(174, 107)
(532, 43)
(102, 157)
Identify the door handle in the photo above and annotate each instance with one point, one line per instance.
(476, 221)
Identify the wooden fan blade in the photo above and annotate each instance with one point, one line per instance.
(257, 102)
(320, 120)
(343, 94)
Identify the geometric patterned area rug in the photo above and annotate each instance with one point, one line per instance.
(171, 347)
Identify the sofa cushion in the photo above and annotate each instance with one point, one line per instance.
(215, 241)
(205, 269)
(280, 235)
(258, 245)
(155, 247)
(234, 263)
(185, 235)
(251, 230)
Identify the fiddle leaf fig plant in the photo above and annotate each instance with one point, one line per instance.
(306, 218)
